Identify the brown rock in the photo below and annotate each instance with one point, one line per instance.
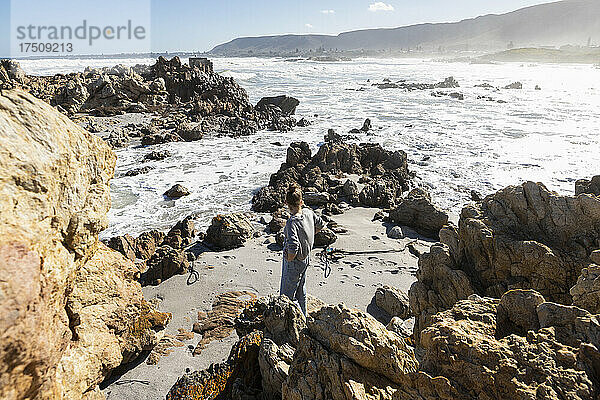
(417, 211)
(64, 324)
(393, 301)
(588, 187)
(229, 231)
(517, 313)
(163, 264)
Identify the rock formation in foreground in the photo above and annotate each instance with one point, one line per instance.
(70, 308)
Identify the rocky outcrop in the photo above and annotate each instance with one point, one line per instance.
(385, 173)
(448, 83)
(190, 101)
(417, 211)
(523, 237)
(461, 345)
(590, 187)
(177, 191)
(63, 324)
(228, 232)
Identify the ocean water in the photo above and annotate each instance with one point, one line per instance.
(550, 136)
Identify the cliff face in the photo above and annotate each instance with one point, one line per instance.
(70, 309)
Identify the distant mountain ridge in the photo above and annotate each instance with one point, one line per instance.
(550, 24)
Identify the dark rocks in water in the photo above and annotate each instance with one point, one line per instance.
(514, 85)
(178, 93)
(157, 155)
(388, 172)
(485, 86)
(139, 171)
(454, 95)
(298, 153)
(228, 232)
(417, 211)
(190, 131)
(286, 104)
(537, 87)
(365, 128)
(177, 191)
(303, 123)
(118, 139)
(591, 186)
(448, 83)
(476, 196)
(332, 136)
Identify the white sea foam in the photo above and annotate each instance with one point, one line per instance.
(455, 146)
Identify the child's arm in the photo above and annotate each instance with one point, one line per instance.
(292, 243)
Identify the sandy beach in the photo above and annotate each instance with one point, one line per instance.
(256, 267)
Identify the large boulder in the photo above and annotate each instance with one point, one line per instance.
(418, 212)
(228, 232)
(286, 104)
(63, 326)
(393, 301)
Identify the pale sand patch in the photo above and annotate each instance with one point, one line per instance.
(256, 267)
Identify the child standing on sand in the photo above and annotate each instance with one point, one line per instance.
(299, 233)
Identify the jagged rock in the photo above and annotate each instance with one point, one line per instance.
(125, 245)
(157, 155)
(595, 257)
(229, 231)
(365, 128)
(106, 298)
(514, 85)
(393, 301)
(417, 211)
(147, 243)
(237, 378)
(316, 199)
(398, 326)
(139, 171)
(460, 345)
(177, 191)
(303, 123)
(283, 322)
(298, 153)
(345, 354)
(350, 332)
(319, 174)
(590, 187)
(523, 237)
(440, 284)
(517, 313)
(278, 220)
(586, 292)
(286, 104)
(65, 325)
(163, 264)
(181, 234)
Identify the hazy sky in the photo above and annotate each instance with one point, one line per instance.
(199, 25)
